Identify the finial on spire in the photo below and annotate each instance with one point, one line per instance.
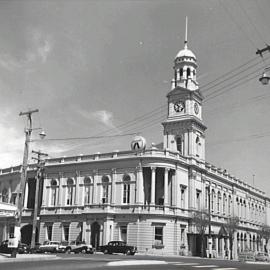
(185, 44)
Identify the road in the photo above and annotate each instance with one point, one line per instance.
(113, 262)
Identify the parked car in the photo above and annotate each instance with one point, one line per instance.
(52, 246)
(22, 248)
(79, 247)
(118, 247)
(262, 257)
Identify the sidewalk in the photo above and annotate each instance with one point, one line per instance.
(26, 257)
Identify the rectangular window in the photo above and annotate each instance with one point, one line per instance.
(11, 231)
(79, 237)
(183, 193)
(53, 196)
(198, 199)
(66, 232)
(123, 233)
(126, 194)
(49, 232)
(158, 236)
(13, 198)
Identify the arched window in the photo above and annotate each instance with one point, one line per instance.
(70, 191)
(206, 197)
(179, 144)
(224, 203)
(198, 145)
(87, 190)
(126, 189)
(5, 195)
(229, 205)
(181, 73)
(54, 189)
(219, 202)
(105, 188)
(188, 72)
(213, 199)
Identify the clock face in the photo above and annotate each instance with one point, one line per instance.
(179, 106)
(196, 108)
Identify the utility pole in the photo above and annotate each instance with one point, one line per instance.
(21, 189)
(39, 176)
(209, 222)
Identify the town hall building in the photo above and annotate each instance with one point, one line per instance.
(146, 197)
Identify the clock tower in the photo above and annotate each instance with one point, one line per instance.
(184, 130)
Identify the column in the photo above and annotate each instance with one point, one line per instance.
(216, 239)
(113, 194)
(153, 185)
(95, 180)
(61, 191)
(26, 194)
(228, 246)
(222, 243)
(174, 189)
(139, 180)
(166, 175)
(77, 179)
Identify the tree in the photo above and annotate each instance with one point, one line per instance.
(231, 227)
(201, 221)
(265, 233)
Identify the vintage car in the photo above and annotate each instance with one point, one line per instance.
(52, 246)
(118, 247)
(262, 257)
(22, 248)
(79, 247)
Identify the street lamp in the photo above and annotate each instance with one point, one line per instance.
(264, 79)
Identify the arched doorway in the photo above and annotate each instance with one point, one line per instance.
(26, 234)
(95, 232)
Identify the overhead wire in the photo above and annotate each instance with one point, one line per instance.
(250, 21)
(239, 26)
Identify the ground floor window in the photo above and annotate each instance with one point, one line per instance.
(66, 232)
(49, 232)
(123, 233)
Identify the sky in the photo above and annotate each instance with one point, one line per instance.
(103, 68)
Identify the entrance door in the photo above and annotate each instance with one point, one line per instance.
(95, 232)
(26, 234)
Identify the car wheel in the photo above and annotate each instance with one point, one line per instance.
(68, 251)
(128, 252)
(106, 251)
(83, 251)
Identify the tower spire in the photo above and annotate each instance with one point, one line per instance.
(185, 43)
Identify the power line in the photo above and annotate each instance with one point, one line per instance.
(233, 76)
(238, 25)
(89, 137)
(250, 21)
(229, 72)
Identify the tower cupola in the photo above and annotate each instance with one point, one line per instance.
(185, 67)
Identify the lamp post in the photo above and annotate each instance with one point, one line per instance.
(21, 189)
